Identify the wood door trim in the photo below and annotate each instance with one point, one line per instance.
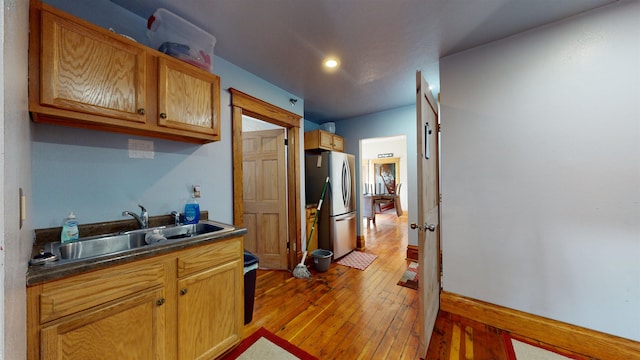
(262, 110)
(244, 104)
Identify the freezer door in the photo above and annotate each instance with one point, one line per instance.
(316, 171)
(342, 179)
(343, 234)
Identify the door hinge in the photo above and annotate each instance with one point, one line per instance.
(439, 127)
(440, 197)
(286, 142)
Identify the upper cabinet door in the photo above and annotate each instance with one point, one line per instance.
(86, 71)
(326, 140)
(188, 98)
(338, 143)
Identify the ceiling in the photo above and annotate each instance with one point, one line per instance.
(380, 43)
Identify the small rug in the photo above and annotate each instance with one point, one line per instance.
(357, 260)
(264, 344)
(523, 350)
(410, 277)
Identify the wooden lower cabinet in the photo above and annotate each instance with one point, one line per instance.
(146, 309)
(208, 312)
(131, 328)
(313, 242)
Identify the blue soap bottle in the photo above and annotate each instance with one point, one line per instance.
(192, 212)
(69, 229)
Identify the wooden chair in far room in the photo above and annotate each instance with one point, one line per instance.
(390, 202)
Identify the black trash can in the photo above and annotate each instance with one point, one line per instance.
(250, 270)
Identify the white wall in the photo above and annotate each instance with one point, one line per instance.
(541, 171)
(15, 242)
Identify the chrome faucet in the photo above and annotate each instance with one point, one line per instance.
(176, 218)
(143, 218)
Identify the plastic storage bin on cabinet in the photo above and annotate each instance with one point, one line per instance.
(250, 270)
(175, 36)
(322, 259)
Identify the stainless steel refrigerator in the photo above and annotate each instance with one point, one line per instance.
(336, 227)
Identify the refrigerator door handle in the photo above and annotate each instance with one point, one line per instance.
(346, 183)
(346, 218)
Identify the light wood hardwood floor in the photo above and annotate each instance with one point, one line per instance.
(346, 313)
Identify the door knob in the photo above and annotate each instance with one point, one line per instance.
(430, 227)
(183, 291)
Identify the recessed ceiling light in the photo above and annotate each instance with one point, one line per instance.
(331, 63)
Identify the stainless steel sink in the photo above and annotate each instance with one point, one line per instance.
(102, 245)
(190, 230)
(114, 243)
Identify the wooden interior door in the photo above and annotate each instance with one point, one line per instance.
(265, 196)
(428, 211)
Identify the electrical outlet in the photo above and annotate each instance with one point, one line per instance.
(196, 191)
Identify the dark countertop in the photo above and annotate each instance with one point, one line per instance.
(37, 274)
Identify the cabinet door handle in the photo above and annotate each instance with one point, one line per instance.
(141, 111)
(183, 291)
(163, 115)
(160, 302)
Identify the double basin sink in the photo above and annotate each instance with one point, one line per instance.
(115, 243)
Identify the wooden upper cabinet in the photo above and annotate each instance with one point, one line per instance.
(85, 76)
(338, 142)
(188, 99)
(317, 140)
(85, 71)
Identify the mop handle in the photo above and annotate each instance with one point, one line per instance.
(315, 218)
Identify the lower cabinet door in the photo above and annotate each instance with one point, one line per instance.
(133, 328)
(210, 318)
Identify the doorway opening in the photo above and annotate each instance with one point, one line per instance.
(288, 123)
(383, 180)
(383, 167)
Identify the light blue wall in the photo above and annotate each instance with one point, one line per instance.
(90, 173)
(400, 121)
(309, 126)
